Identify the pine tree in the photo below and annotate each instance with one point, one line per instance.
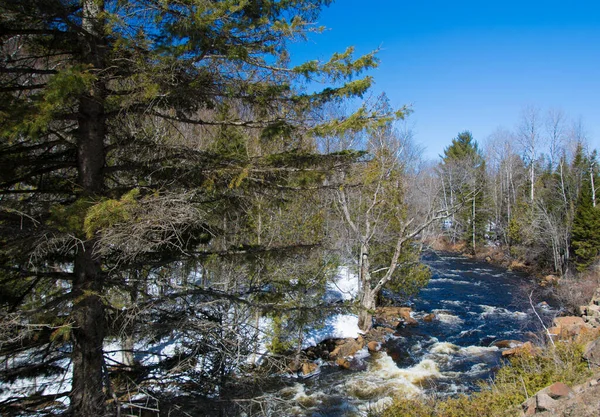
(585, 233)
(133, 135)
(463, 170)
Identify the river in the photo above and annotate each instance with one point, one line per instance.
(475, 304)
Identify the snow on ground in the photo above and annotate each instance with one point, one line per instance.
(344, 286)
(338, 326)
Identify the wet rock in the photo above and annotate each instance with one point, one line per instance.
(343, 363)
(347, 347)
(294, 366)
(393, 315)
(429, 317)
(410, 321)
(309, 368)
(374, 346)
(352, 364)
(526, 347)
(507, 344)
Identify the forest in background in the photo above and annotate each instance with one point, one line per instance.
(166, 176)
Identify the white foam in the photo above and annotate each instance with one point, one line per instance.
(452, 281)
(478, 350)
(449, 318)
(444, 348)
(501, 311)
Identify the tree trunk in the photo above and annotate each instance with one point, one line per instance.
(87, 396)
(367, 305)
(473, 226)
(367, 296)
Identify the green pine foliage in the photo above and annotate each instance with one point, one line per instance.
(463, 168)
(585, 233)
(156, 155)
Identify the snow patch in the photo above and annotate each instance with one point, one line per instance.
(339, 326)
(344, 286)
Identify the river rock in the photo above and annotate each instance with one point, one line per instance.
(526, 347)
(309, 368)
(374, 346)
(346, 347)
(343, 363)
(429, 317)
(390, 315)
(353, 364)
(507, 344)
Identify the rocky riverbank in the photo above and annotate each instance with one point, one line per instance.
(581, 400)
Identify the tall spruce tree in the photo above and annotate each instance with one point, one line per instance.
(585, 232)
(463, 174)
(132, 134)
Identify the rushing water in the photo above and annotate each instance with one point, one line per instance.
(474, 304)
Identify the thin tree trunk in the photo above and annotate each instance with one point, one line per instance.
(532, 174)
(367, 297)
(593, 185)
(473, 226)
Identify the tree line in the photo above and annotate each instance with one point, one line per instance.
(532, 191)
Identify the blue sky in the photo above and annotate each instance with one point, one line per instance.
(473, 65)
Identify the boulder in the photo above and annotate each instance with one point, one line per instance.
(374, 346)
(343, 363)
(544, 402)
(547, 399)
(568, 326)
(558, 390)
(526, 347)
(353, 364)
(390, 314)
(309, 368)
(506, 344)
(529, 406)
(591, 353)
(593, 310)
(429, 317)
(549, 280)
(347, 347)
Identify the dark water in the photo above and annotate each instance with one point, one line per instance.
(475, 304)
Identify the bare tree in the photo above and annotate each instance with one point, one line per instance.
(381, 224)
(529, 136)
